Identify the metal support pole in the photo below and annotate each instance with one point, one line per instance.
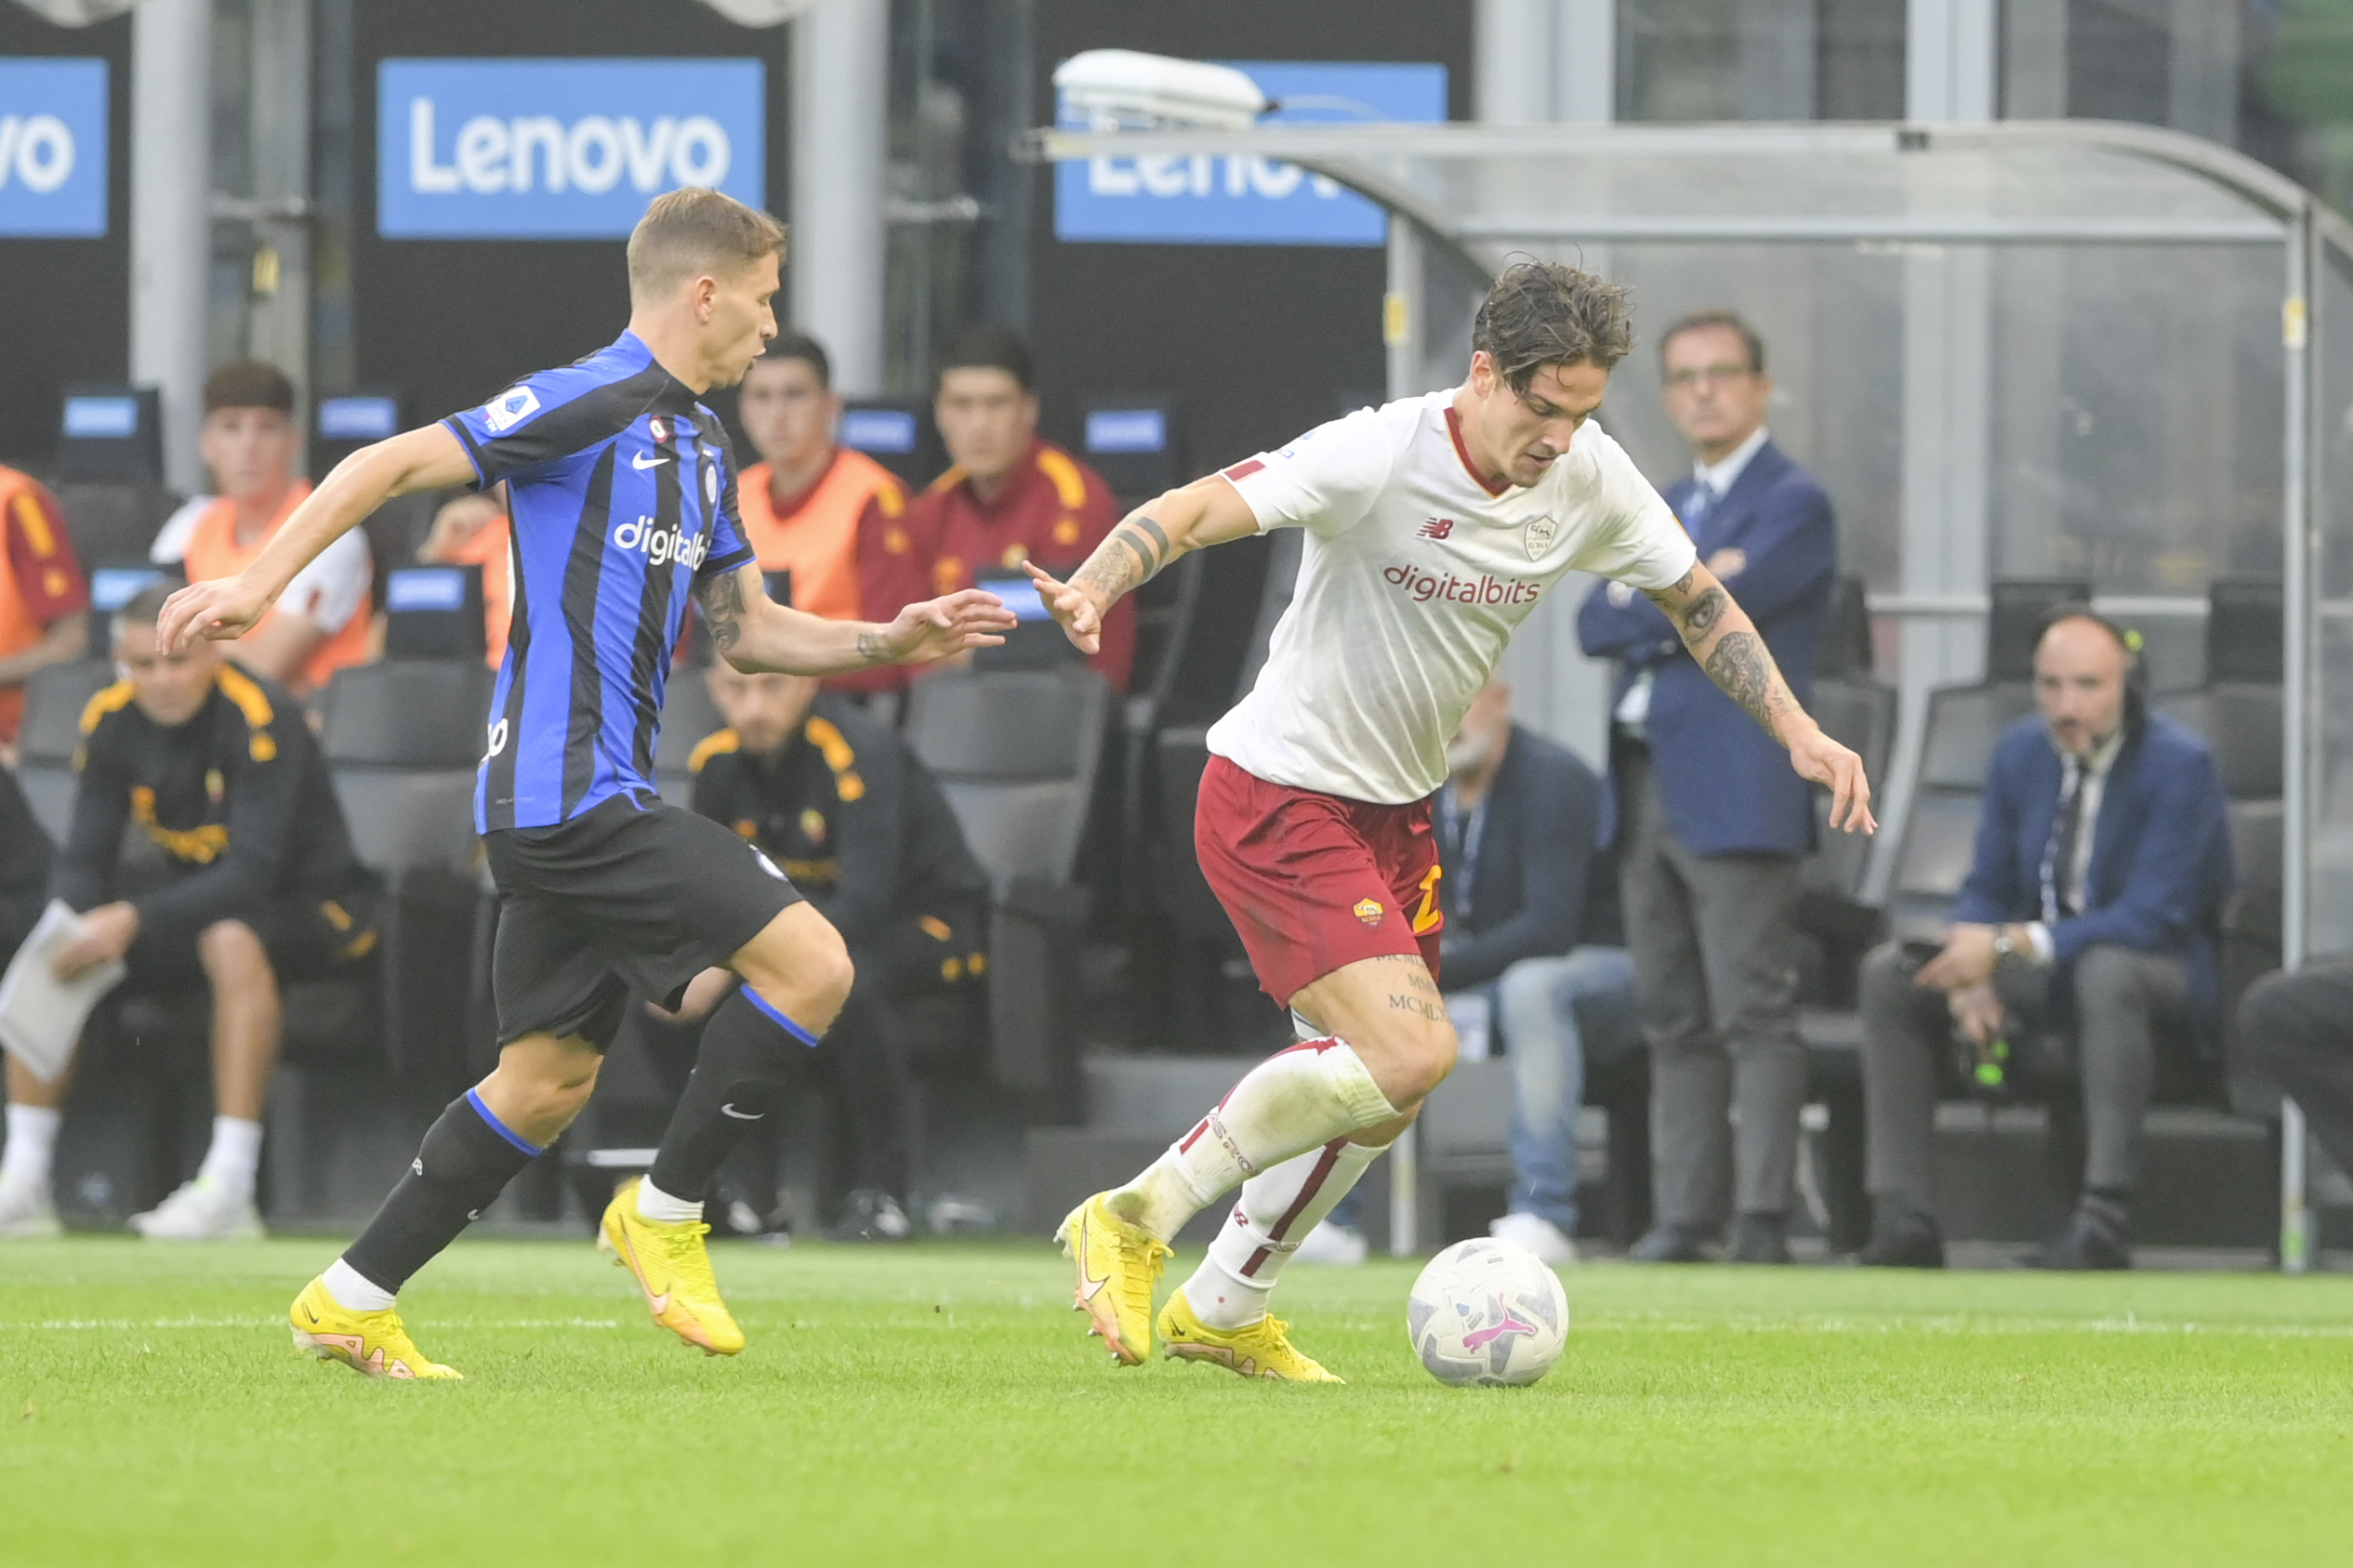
(840, 95)
(171, 218)
(2299, 729)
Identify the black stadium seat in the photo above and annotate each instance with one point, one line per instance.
(2242, 723)
(53, 702)
(1963, 724)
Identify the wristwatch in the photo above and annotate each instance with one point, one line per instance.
(2003, 948)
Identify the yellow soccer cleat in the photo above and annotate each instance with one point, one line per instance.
(673, 1268)
(371, 1343)
(1262, 1349)
(1118, 1264)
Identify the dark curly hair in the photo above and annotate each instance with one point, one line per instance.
(1547, 312)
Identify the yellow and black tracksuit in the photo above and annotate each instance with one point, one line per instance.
(235, 818)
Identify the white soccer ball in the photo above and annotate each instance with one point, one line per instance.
(1488, 1314)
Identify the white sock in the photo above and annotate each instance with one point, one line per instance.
(1277, 1208)
(33, 1140)
(354, 1291)
(235, 1156)
(655, 1204)
(1299, 1099)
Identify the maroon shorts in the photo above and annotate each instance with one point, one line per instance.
(1315, 881)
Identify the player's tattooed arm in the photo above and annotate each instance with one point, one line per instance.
(1725, 640)
(1131, 556)
(721, 597)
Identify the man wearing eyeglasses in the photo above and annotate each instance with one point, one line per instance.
(1714, 823)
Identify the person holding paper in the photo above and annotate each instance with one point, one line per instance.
(258, 884)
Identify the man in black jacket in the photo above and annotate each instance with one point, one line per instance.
(846, 811)
(253, 884)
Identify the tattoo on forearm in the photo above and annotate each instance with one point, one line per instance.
(1701, 614)
(1668, 598)
(722, 601)
(871, 648)
(1742, 666)
(1131, 557)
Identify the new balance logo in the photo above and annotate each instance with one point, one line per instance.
(1436, 528)
(662, 546)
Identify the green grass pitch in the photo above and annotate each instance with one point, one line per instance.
(937, 1404)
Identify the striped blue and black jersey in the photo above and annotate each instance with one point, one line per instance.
(622, 492)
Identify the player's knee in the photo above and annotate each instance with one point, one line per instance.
(1420, 1063)
(231, 950)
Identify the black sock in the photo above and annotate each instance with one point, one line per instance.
(466, 1161)
(748, 1050)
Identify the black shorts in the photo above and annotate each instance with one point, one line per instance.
(307, 938)
(620, 898)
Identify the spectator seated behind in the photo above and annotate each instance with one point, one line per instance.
(1009, 497)
(843, 807)
(831, 516)
(251, 442)
(44, 600)
(2085, 930)
(256, 886)
(2296, 1030)
(474, 531)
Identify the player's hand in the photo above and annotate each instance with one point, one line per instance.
(1976, 1011)
(1966, 960)
(938, 627)
(106, 936)
(1818, 759)
(223, 610)
(1081, 616)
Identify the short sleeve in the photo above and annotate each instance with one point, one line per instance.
(1325, 482)
(540, 421)
(730, 549)
(48, 578)
(1637, 539)
(333, 587)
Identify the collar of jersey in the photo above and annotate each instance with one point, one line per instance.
(676, 396)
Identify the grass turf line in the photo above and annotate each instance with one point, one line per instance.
(937, 1404)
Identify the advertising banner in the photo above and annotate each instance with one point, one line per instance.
(53, 148)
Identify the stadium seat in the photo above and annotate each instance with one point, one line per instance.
(688, 718)
(1016, 753)
(2242, 723)
(1931, 858)
(54, 699)
(114, 521)
(2014, 607)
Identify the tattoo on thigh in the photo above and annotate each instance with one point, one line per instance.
(1418, 1006)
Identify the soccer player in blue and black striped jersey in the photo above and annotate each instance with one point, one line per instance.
(622, 497)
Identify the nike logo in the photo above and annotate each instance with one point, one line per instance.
(1088, 1289)
(650, 459)
(659, 1303)
(741, 1115)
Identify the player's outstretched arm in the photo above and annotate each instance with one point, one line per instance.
(1725, 640)
(755, 634)
(1208, 511)
(430, 458)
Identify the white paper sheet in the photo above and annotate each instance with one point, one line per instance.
(40, 1016)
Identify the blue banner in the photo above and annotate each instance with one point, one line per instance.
(560, 149)
(1248, 201)
(53, 148)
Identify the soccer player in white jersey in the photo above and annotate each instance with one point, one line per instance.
(1433, 526)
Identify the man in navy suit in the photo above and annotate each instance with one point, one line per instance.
(2089, 920)
(1715, 822)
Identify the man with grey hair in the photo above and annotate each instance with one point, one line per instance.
(1433, 526)
(1714, 823)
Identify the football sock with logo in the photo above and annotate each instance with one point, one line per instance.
(466, 1159)
(1277, 1208)
(1299, 1099)
(749, 1051)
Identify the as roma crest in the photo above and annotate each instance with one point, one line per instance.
(1540, 531)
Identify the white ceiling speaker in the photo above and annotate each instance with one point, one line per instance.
(1128, 88)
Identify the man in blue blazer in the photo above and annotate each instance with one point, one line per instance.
(2089, 920)
(1715, 822)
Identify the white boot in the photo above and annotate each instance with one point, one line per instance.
(26, 1208)
(1533, 1233)
(202, 1210)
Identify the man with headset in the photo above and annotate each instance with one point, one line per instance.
(2082, 944)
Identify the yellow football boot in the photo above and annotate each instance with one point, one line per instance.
(1118, 1264)
(673, 1268)
(1262, 1349)
(372, 1343)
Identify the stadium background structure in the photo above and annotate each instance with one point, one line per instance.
(1945, 198)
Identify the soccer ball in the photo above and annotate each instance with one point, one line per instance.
(1488, 1314)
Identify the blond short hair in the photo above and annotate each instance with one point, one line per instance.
(695, 232)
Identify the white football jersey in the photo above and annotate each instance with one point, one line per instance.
(1411, 578)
